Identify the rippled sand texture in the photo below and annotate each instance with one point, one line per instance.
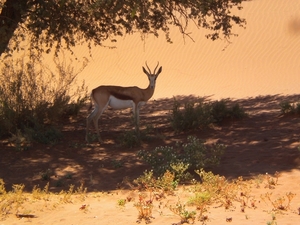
(263, 59)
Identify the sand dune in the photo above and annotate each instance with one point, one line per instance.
(263, 59)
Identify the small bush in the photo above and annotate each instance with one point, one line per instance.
(160, 158)
(129, 139)
(194, 154)
(185, 215)
(32, 96)
(288, 107)
(43, 134)
(200, 114)
(167, 183)
(181, 173)
(219, 111)
(194, 115)
(237, 112)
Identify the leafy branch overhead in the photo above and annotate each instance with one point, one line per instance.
(49, 24)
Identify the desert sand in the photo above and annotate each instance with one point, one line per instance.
(262, 60)
(259, 69)
(258, 146)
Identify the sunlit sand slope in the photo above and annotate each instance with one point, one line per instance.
(263, 59)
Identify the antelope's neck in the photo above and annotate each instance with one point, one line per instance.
(148, 92)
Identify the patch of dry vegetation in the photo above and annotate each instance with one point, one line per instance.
(28, 205)
(191, 203)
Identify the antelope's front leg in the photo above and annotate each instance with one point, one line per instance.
(97, 130)
(136, 116)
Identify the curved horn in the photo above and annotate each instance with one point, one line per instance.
(148, 68)
(156, 68)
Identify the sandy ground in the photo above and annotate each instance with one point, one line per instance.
(264, 142)
(258, 70)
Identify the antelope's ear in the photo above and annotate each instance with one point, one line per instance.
(145, 71)
(159, 71)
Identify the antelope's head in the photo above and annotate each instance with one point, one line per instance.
(152, 76)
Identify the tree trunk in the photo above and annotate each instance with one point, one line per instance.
(10, 18)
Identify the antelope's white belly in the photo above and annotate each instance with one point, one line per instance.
(116, 103)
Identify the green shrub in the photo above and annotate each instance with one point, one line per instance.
(167, 182)
(181, 172)
(297, 108)
(200, 114)
(219, 111)
(129, 139)
(160, 158)
(193, 154)
(43, 134)
(194, 115)
(34, 97)
(237, 112)
(288, 107)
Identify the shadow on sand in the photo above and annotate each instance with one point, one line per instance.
(264, 142)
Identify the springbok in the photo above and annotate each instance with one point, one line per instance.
(118, 97)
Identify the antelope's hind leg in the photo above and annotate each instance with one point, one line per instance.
(95, 116)
(90, 117)
(96, 119)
